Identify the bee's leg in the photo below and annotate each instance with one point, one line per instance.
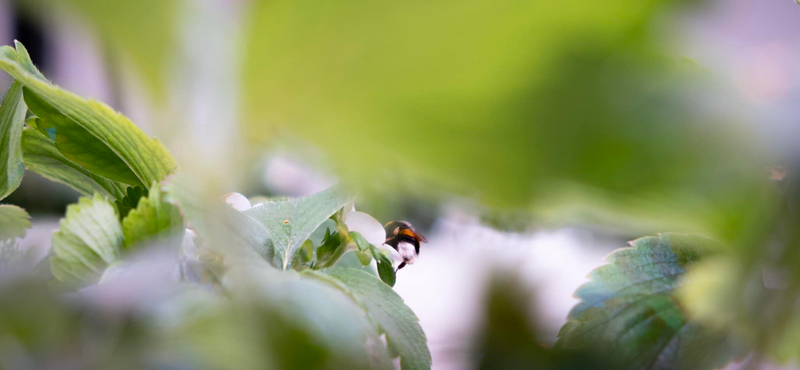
(401, 266)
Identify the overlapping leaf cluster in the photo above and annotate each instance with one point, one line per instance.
(277, 296)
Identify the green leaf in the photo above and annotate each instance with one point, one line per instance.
(153, 216)
(13, 222)
(386, 272)
(221, 227)
(404, 335)
(291, 221)
(629, 310)
(88, 239)
(41, 156)
(130, 200)
(78, 144)
(12, 118)
(146, 157)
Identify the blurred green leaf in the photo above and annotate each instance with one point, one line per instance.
(88, 239)
(403, 332)
(222, 228)
(504, 101)
(152, 217)
(146, 157)
(78, 145)
(13, 222)
(41, 156)
(291, 221)
(12, 118)
(629, 310)
(129, 200)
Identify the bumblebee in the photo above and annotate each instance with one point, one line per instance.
(401, 236)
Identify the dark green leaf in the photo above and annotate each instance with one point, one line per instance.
(12, 118)
(386, 272)
(629, 310)
(130, 200)
(403, 332)
(152, 217)
(42, 157)
(291, 221)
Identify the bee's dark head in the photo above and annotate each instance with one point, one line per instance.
(398, 231)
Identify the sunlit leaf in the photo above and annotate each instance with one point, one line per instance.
(629, 310)
(146, 157)
(12, 117)
(152, 217)
(403, 332)
(78, 144)
(88, 239)
(41, 156)
(291, 221)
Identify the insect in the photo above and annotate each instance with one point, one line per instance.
(401, 236)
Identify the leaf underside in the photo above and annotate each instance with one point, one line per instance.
(12, 117)
(13, 222)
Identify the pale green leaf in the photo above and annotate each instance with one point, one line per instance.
(12, 117)
(404, 335)
(13, 222)
(221, 227)
(152, 217)
(88, 239)
(41, 156)
(146, 157)
(78, 145)
(291, 221)
(629, 310)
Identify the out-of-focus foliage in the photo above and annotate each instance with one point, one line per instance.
(88, 239)
(153, 216)
(630, 312)
(509, 339)
(404, 336)
(13, 222)
(12, 117)
(755, 291)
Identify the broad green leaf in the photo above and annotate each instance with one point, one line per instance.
(78, 145)
(629, 310)
(13, 222)
(404, 335)
(12, 118)
(41, 156)
(386, 271)
(291, 221)
(153, 216)
(88, 239)
(146, 157)
(221, 227)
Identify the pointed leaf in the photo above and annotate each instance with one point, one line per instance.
(628, 309)
(41, 156)
(12, 117)
(404, 335)
(386, 271)
(291, 221)
(13, 222)
(146, 157)
(153, 216)
(87, 240)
